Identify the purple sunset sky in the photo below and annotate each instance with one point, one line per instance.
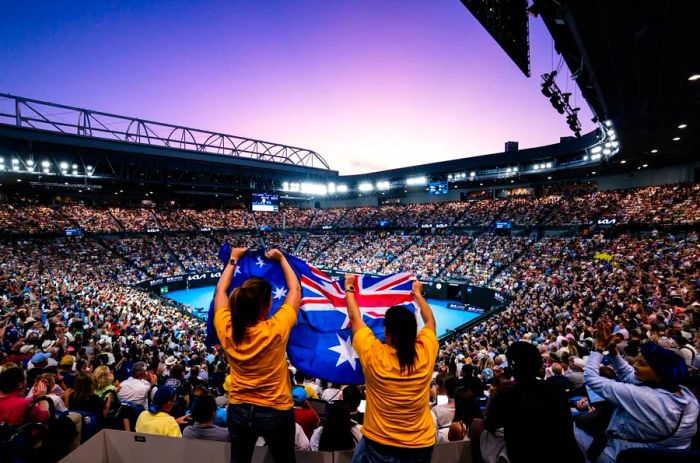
(368, 84)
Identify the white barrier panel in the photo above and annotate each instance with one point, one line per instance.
(111, 446)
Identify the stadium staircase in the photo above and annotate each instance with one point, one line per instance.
(170, 250)
(313, 219)
(118, 222)
(461, 252)
(405, 248)
(503, 267)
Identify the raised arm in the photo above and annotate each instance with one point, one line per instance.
(425, 311)
(293, 287)
(221, 293)
(354, 313)
(605, 341)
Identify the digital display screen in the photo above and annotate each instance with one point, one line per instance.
(73, 231)
(504, 224)
(265, 202)
(438, 188)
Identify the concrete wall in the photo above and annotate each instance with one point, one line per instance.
(648, 177)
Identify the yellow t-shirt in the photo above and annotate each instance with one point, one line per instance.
(398, 405)
(259, 373)
(310, 392)
(160, 424)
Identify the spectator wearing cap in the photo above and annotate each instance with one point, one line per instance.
(575, 372)
(135, 389)
(156, 420)
(203, 414)
(65, 368)
(685, 350)
(304, 415)
(651, 408)
(39, 362)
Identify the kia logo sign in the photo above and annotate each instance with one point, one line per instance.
(153, 230)
(196, 277)
(607, 221)
(215, 275)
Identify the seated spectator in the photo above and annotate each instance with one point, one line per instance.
(203, 414)
(557, 378)
(467, 414)
(338, 432)
(575, 372)
(331, 393)
(135, 389)
(651, 408)
(83, 398)
(13, 404)
(444, 413)
(156, 420)
(39, 362)
(470, 381)
(304, 415)
(53, 391)
(528, 407)
(104, 380)
(65, 368)
(352, 398)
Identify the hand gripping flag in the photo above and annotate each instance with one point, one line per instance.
(321, 342)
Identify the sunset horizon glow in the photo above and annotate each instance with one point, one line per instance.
(368, 85)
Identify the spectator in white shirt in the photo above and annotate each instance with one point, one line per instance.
(135, 389)
(331, 393)
(443, 414)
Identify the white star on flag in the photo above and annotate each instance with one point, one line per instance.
(345, 351)
(237, 271)
(260, 262)
(279, 293)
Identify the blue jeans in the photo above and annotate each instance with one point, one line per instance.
(368, 451)
(247, 422)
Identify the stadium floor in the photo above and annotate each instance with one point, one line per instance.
(444, 317)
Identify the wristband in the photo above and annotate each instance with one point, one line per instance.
(350, 289)
(232, 261)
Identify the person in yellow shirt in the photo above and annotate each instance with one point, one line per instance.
(156, 420)
(260, 397)
(398, 425)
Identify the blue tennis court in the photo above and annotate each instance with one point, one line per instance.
(200, 298)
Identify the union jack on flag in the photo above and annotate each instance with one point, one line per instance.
(321, 342)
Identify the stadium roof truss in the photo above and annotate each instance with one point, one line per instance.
(41, 115)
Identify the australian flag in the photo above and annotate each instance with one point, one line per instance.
(321, 342)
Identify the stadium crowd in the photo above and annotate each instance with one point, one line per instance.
(114, 356)
(656, 205)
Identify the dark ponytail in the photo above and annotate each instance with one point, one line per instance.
(401, 325)
(246, 302)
